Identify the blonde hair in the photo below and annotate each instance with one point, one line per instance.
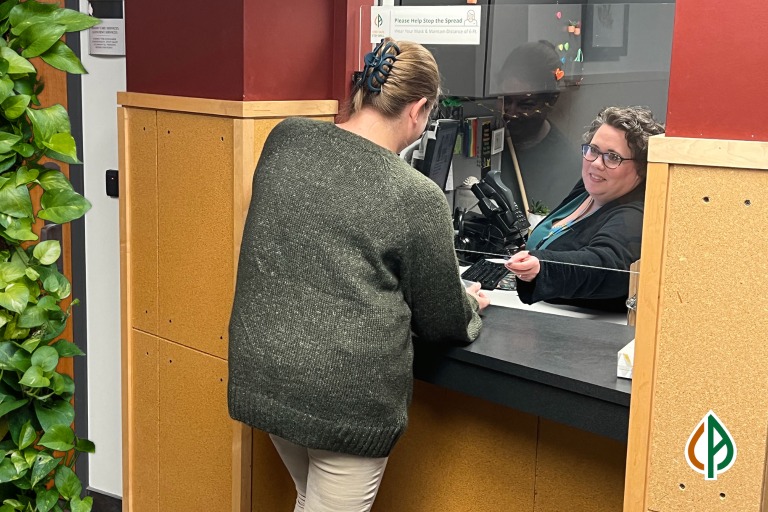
(413, 75)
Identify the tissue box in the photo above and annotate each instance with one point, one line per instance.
(626, 361)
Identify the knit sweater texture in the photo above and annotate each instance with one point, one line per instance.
(346, 251)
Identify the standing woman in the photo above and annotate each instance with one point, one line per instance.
(346, 251)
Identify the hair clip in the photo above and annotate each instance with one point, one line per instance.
(378, 64)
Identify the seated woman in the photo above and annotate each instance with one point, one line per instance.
(599, 224)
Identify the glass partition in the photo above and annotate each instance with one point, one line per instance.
(543, 70)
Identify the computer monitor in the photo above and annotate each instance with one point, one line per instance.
(433, 153)
(441, 140)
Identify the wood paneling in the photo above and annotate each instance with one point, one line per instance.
(143, 419)
(460, 453)
(578, 471)
(648, 307)
(195, 160)
(195, 431)
(709, 152)
(709, 351)
(142, 204)
(237, 109)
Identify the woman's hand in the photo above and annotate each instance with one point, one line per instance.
(482, 299)
(524, 266)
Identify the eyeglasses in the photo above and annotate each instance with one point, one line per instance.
(610, 159)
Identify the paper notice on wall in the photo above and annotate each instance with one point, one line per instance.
(455, 24)
(107, 38)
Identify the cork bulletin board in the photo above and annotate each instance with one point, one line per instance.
(196, 275)
(710, 351)
(142, 212)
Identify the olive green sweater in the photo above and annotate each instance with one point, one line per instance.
(346, 250)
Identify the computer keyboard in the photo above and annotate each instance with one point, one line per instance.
(490, 275)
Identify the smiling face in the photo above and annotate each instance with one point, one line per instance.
(602, 183)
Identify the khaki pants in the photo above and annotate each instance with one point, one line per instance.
(329, 481)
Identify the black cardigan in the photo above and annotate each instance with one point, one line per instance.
(610, 237)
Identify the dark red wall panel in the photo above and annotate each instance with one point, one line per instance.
(185, 48)
(290, 50)
(717, 79)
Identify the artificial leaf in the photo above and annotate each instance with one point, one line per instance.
(44, 464)
(16, 202)
(11, 271)
(84, 445)
(46, 358)
(53, 413)
(7, 140)
(11, 405)
(30, 344)
(6, 87)
(7, 350)
(25, 150)
(14, 106)
(67, 482)
(61, 57)
(62, 385)
(48, 303)
(15, 297)
(8, 471)
(37, 38)
(57, 320)
(7, 162)
(31, 452)
(46, 122)
(51, 180)
(27, 435)
(67, 349)
(46, 498)
(14, 504)
(16, 63)
(20, 360)
(5, 8)
(21, 14)
(58, 437)
(74, 21)
(64, 147)
(47, 252)
(33, 316)
(20, 463)
(81, 505)
(25, 84)
(21, 229)
(34, 378)
(62, 206)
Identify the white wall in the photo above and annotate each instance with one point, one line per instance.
(106, 76)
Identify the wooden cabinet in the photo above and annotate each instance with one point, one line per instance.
(186, 166)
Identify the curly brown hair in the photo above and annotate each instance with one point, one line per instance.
(637, 123)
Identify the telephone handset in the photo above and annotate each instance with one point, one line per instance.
(502, 228)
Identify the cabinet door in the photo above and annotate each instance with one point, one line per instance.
(462, 67)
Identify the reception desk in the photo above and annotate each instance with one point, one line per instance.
(558, 367)
(530, 416)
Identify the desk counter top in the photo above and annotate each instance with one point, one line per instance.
(558, 367)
